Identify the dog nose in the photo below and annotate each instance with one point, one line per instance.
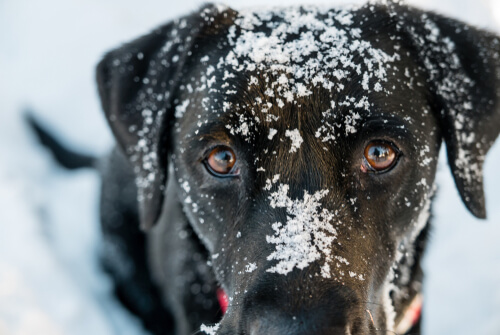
(305, 324)
(328, 317)
(333, 310)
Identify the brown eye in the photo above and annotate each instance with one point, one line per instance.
(221, 161)
(379, 157)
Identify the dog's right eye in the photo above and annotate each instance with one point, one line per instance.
(221, 162)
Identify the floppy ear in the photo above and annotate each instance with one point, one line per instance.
(463, 69)
(137, 84)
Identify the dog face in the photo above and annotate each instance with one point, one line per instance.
(303, 144)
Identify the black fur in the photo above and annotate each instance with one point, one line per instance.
(167, 113)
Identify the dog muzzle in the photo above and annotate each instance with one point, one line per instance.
(410, 318)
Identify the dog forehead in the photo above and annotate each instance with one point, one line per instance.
(287, 53)
(273, 68)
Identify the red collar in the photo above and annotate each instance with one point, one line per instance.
(411, 315)
(223, 300)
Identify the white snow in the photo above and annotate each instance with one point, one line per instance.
(300, 53)
(250, 267)
(307, 235)
(181, 108)
(210, 330)
(49, 279)
(296, 139)
(272, 132)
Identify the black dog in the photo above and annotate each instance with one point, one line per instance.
(300, 148)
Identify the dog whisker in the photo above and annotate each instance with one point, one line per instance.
(371, 317)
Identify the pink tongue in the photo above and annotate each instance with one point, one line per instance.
(223, 300)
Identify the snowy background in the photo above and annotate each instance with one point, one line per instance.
(50, 282)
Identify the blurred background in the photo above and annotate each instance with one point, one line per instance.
(50, 281)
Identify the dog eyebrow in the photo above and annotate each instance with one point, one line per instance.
(387, 125)
(210, 132)
(390, 122)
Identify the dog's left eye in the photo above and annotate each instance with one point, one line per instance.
(379, 156)
(221, 162)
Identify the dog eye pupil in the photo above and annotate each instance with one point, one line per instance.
(221, 160)
(380, 155)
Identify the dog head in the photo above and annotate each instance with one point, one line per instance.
(303, 142)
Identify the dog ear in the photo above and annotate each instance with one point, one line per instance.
(137, 84)
(462, 67)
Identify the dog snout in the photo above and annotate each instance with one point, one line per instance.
(305, 324)
(331, 312)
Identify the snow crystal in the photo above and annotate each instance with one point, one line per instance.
(210, 330)
(250, 267)
(297, 140)
(351, 122)
(181, 109)
(306, 236)
(185, 186)
(269, 182)
(272, 132)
